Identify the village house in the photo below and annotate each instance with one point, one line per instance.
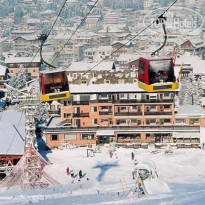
(31, 65)
(88, 55)
(24, 44)
(23, 32)
(120, 48)
(93, 22)
(3, 76)
(102, 52)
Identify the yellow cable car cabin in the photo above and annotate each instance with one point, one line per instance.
(156, 74)
(54, 85)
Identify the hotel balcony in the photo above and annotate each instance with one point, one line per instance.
(80, 102)
(158, 113)
(105, 112)
(80, 114)
(132, 101)
(127, 113)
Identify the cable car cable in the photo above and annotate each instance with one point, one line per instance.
(155, 21)
(48, 32)
(75, 30)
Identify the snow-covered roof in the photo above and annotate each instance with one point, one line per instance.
(31, 20)
(111, 29)
(12, 126)
(102, 88)
(83, 66)
(190, 110)
(187, 59)
(128, 57)
(2, 70)
(104, 48)
(54, 121)
(22, 59)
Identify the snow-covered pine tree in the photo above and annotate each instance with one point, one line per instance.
(20, 81)
(193, 90)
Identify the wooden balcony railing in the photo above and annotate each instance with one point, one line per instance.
(127, 113)
(80, 114)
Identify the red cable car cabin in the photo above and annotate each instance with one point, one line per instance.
(54, 85)
(156, 74)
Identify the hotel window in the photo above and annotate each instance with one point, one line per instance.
(167, 120)
(122, 108)
(87, 136)
(103, 95)
(153, 121)
(139, 122)
(166, 94)
(94, 121)
(104, 120)
(134, 107)
(93, 109)
(147, 108)
(153, 107)
(54, 137)
(180, 120)
(147, 122)
(66, 103)
(194, 120)
(133, 121)
(123, 121)
(70, 137)
(104, 108)
(67, 115)
(167, 107)
(83, 82)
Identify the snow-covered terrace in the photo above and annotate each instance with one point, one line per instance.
(12, 132)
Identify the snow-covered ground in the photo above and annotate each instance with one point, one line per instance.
(183, 171)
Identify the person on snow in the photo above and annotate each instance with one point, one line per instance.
(110, 153)
(67, 170)
(72, 174)
(80, 174)
(133, 155)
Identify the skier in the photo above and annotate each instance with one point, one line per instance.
(133, 155)
(71, 174)
(110, 153)
(80, 174)
(67, 171)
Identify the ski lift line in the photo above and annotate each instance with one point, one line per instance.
(129, 40)
(48, 32)
(14, 134)
(75, 31)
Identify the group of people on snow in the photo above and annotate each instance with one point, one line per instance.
(71, 173)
